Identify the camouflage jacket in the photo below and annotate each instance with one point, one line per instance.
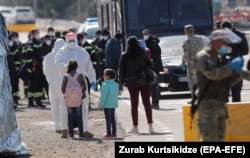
(191, 46)
(210, 68)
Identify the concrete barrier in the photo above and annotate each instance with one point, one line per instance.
(237, 125)
(21, 27)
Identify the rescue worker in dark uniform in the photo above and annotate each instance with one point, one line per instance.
(23, 74)
(98, 35)
(12, 71)
(237, 49)
(34, 61)
(16, 53)
(101, 53)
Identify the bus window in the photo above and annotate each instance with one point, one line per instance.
(146, 13)
(162, 17)
(185, 12)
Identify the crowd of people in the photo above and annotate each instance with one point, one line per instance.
(52, 61)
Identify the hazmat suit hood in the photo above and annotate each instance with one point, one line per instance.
(58, 44)
(71, 41)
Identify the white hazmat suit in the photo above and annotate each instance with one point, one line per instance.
(72, 51)
(53, 78)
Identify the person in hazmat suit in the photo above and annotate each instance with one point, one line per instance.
(72, 51)
(52, 76)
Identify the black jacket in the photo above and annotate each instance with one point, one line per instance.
(130, 69)
(152, 44)
(239, 48)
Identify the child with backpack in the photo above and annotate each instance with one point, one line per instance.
(73, 89)
(109, 101)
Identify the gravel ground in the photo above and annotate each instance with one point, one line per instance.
(37, 132)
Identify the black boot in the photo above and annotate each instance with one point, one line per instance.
(26, 92)
(31, 103)
(39, 103)
(16, 100)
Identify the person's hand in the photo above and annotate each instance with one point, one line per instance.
(93, 85)
(236, 64)
(183, 67)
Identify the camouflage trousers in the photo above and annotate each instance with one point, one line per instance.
(191, 79)
(212, 120)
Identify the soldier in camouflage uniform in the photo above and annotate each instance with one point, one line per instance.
(215, 77)
(191, 46)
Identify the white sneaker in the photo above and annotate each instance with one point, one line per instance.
(151, 129)
(134, 130)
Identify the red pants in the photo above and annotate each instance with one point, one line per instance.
(134, 89)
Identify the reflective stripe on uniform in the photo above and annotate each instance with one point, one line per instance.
(93, 51)
(16, 94)
(18, 63)
(28, 61)
(29, 49)
(38, 94)
(15, 52)
(30, 94)
(37, 45)
(29, 70)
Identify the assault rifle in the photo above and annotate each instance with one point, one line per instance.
(196, 99)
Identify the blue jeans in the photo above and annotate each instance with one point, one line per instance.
(110, 120)
(75, 113)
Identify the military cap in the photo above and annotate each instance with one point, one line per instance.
(189, 28)
(225, 35)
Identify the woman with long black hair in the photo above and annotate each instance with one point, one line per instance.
(131, 65)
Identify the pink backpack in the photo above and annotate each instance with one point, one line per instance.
(73, 92)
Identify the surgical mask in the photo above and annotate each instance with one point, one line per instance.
(48, 42)
(71, 45)
(16, 39)
(51, 33)
(11, 43)
(105, 37)
(146, 37)
(224, 50)
(37, 36)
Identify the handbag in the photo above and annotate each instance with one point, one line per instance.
(149, 76)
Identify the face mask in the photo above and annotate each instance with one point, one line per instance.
(105, 37)
(37, 36)
(16, 39)
(71, 45)
(51, 33)
(224, 50)
(146, 37)
(48, 42)
(10, 43)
